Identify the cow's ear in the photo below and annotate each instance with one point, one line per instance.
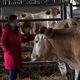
(66, 25)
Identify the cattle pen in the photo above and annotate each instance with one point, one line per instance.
(38, 70)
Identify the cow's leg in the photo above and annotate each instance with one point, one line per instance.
(70, 73)
(76, 74)
(79, 75)
(63, 70)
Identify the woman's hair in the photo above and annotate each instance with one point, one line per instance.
(12, 18)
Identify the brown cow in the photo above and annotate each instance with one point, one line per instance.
(62, 44)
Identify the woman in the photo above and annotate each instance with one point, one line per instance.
(11, 44)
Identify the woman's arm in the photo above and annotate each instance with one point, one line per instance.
(27, 38)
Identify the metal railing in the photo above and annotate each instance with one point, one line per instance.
(28, 2)
(73, 11)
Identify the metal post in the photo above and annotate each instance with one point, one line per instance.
(2, 17)
(1, 14)
(71, 10)
(63, 11)
(71, 1)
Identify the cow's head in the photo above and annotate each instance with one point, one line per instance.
(53, 11)
(43, 49)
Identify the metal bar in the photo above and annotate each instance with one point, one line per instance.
(27, 5)
(36, 62)
(28, 2)
(39, 62)
(77, 17)
(64, 11)
(71, 10)
(69, 1)
(61, 11)
(1, 13)
(76, 5)
(56, 19)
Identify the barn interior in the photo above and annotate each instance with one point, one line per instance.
(24, 9)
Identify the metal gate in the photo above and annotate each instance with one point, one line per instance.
(9, 6)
